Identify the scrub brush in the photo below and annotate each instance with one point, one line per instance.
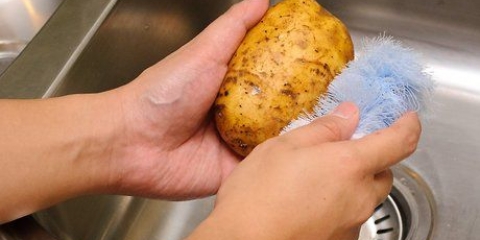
(385, 81)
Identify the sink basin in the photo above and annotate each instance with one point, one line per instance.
(95, 45)
(20, 20)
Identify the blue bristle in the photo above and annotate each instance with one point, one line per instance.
(385, 82)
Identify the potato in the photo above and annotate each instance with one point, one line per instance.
(278, 72)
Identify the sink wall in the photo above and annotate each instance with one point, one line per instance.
(20, 20)
(447, 34)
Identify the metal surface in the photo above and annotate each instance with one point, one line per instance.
(386, 223)
(447, 33)
(24, 229)
(415, 203)
(52, 51)
(20, 20)
(8, 52)
(407, 214)
(94, 45)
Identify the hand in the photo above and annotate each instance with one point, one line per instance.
(311, 183)
(152, 137)
(169, 148)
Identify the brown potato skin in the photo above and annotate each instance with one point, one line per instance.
(278, 72)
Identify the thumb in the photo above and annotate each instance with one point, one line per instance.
(202, 63)
(337, 126)
(221, 38)
(215, 45)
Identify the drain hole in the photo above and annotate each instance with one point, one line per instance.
(382, 231)
(406, 214)
(386, 223)
(381, 219)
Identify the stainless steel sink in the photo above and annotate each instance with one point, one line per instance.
(95, 45)
(20, 20)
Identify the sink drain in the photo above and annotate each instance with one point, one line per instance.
(408, 212)
(386, 223)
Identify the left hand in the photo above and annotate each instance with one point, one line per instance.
(169, 147)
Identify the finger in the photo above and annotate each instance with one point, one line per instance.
(221, 38)
(337, 126)
(383, 185)
(229, 160)
(202, 63)
(389, 146)
(352, 234)
(210, 51)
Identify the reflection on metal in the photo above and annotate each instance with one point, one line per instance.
(8, 52)
(36, 19)
(457, 78)
(19, 22)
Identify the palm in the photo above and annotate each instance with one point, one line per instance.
(175, 151)
(204, 162)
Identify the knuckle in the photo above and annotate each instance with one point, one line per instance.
(350, 156)
(389, 179)
(382, 196)
(409, 135)
(351, 166)
(235, 8)
(147, 71)
(385, 182)
(270, 145)
(364, 213)
(411, 142)
(331, 130)
(389, 174)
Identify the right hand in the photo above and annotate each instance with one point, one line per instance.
(313, 182)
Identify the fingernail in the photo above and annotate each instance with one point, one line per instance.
(345, 110)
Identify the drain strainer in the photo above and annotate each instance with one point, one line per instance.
(408, 212)
(386, 223)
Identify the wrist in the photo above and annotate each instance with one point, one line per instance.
(95, 139)
(237, 225)
(243, 219)
(55, 149)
